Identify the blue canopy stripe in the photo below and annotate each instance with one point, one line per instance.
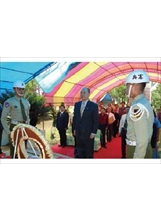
(47, 74)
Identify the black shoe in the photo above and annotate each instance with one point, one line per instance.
(63, 146)
(76, 156)
(105, 146)
(59, 145)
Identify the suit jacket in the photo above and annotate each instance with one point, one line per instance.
(89, 121)
(62, 121)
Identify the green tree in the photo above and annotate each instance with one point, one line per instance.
(4, 96)
(38, 109)
(32, 87)
(119, 94)
(156, 97)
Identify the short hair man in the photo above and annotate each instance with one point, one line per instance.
(62, 125)
(18, 109)
(85, 124)
(140, 117)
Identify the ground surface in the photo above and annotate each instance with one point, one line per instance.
(47, 126)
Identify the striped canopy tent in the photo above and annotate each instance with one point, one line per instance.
(100, 77)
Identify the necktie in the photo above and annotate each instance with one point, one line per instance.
(23, 111)
(82, 108)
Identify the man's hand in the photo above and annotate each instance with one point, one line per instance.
(74, 132)
(92, 136)
(158, 143)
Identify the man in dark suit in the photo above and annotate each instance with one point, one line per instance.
(62, 125)
(85, 124)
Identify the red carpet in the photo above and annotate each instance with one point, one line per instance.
(112, 151)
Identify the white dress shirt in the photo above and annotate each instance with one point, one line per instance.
(122, 121)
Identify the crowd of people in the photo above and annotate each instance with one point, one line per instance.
(111, 123)
(138, 125)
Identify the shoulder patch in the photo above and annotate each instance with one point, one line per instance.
(6, 104)
(137, 110)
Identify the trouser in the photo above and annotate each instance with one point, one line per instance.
(63, 137)
(155, 153)
(10, 143)
(85, 148)
(123, 143)
(102, 127)
(109, 132)
(75, 148)
(115, 129)
(131, 150)
(1, 130)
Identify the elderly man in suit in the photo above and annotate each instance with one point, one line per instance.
(85, 124)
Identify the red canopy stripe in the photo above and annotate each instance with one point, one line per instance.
(101, 80)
